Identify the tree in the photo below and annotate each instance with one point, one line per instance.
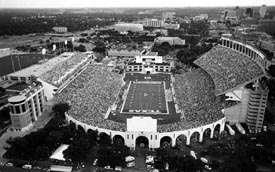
(60, 109)
(5, 114)
(100, 47)
(81, 48)
(2, 90)
(77, 152)
(92, 136)
(185, 56)
(54, 138)
(42, 152)
(162, 49)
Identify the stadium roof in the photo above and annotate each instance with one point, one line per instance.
(229, 69)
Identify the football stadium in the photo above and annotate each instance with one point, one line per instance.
(188, 106)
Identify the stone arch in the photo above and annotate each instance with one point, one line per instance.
(165, 141)
(91, 131)
(103, 133)
(194, 137)
(80, 129)
(207, 133)
(72, 125)
(142, 141)
(181, 140)
(118, 139)
(217, 130)
(166, 43)
(104, 138)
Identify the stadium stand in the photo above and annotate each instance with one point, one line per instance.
(63, 70)
(102, 86)
(228, 68)
(194, 93)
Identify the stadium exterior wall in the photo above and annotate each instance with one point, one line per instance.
(254, 100)
(154, 138)
(248, 50)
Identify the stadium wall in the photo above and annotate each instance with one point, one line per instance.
(240, 109)
(254, 99)
(154, 138)
(248, 50)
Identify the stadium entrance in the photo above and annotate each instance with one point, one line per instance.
(149, 69)
(142, 142)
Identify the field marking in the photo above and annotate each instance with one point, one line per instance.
(141, 110)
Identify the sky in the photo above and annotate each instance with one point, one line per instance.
(129, 3)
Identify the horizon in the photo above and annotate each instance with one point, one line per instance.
(71, 4)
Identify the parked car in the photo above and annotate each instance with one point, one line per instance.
(27, 166)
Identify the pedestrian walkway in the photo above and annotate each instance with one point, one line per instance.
(140, 158)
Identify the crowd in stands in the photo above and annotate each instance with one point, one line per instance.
(194, 91)
(97, 88)
(152, 77)
(91, 94)
(64, 70)
(228, 68)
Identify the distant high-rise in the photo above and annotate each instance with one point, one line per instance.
(249, 12)
(168, 15)
(262, 11)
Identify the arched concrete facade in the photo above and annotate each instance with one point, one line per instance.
(170, 40)
(248, 50)
(154, 138)
(118, 139)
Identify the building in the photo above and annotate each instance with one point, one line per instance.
(201, 17)
(49, 72)
(186, 20)
(60, 168)
(26, 100)
(172, 41)
(249, 35)
(168, 15)
(153, 23)
(174, 26)
(5, 52)
(156, 23)
(123, 53)
(125, 27)
(231, 16)
(262, 11)
(253, 96)
(163, 32)
(256, 107)
(148, 64)
(268, 45)
(60, 29)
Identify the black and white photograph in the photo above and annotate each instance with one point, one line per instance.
(137, 86)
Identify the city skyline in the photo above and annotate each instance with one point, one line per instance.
(125, 3)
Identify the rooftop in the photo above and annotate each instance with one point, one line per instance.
(17, 98)
(58, 153)
(39, 69)
(16, 91)
(18, 86)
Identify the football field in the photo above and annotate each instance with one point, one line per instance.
(145, 97)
